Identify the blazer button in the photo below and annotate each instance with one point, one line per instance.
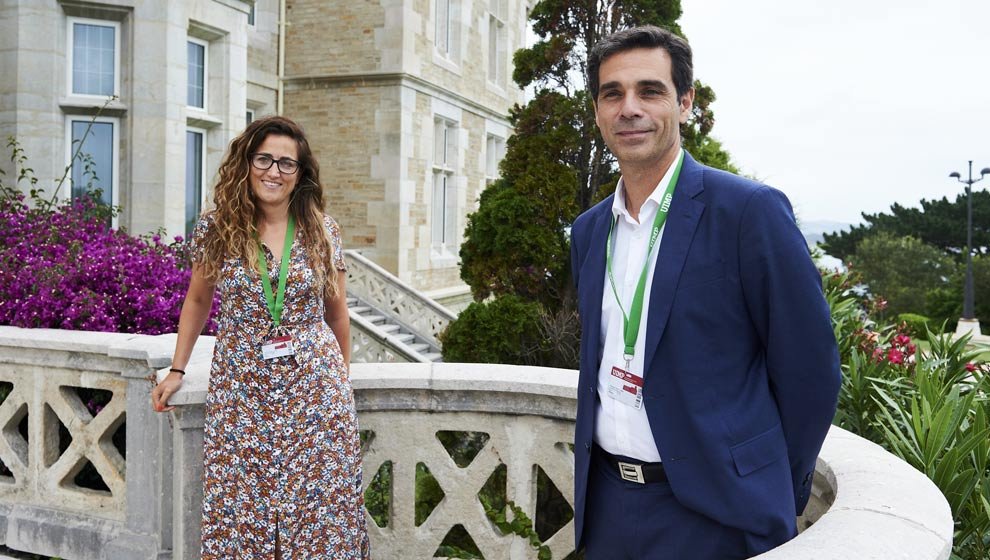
(591, 389)
(588, 446)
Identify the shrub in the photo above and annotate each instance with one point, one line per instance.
(62, 266)
(499, 331)
(915, 325)
(928, 407)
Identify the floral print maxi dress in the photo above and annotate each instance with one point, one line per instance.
(281, 444)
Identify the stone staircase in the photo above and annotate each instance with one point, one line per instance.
(390, 320)
(395, 330)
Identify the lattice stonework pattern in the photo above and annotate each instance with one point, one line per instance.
(62, 439)
(366, 348)
(398, 300)
(524, 444)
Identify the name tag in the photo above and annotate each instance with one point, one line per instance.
(277, 347)
(625, 387)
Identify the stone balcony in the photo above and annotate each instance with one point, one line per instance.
(867, 504)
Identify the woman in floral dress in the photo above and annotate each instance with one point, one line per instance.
(282, 464)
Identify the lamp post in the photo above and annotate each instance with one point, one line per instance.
(969, 322)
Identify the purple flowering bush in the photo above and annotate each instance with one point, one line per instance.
(62, 266)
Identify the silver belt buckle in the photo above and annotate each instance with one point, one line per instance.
(631, 472)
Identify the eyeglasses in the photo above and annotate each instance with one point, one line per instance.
(264, 163)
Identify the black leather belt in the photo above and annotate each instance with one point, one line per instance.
(642, 473)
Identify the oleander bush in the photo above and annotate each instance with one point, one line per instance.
(927, 406)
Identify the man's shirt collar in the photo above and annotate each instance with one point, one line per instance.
(651, 202)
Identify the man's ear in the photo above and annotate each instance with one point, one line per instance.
(686, 103)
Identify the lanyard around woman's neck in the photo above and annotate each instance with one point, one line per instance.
(276, 302)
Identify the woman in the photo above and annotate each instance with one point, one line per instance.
(282, 466)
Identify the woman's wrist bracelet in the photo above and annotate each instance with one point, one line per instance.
(177, 370)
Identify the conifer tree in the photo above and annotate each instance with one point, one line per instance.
(556, 166)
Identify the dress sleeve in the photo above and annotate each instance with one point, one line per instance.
(197, 240)
(333, 229)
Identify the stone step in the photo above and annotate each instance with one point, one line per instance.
(361, 309)
(390, 328)
(405, 337)
(352, 301)
(419, 347)
(375, 318)
(433, 356)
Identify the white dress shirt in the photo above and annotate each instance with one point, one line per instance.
(622, 429)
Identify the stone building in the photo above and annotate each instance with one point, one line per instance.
(405, 103)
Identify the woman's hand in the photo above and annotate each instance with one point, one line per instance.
(164, 391)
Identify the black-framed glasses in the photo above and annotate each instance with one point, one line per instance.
(264, 163)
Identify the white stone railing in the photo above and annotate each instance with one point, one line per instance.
(867, 504)
(43, 508)
(401, 302)
(369, 343)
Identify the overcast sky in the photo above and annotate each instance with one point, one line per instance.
(848, 105)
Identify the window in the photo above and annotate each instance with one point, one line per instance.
(444, 31)
(497, 41)
(248, 117)
(93, 156)
(494, 152)
(95, 57)
(196, 63)
(251, 16)
(194, 176)
(444, 218)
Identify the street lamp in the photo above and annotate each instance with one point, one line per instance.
(969, 322)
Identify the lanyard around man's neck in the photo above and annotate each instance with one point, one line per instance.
(632, 321)
(276, 302)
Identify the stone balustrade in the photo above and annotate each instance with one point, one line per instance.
(867, 504)
(399, 301)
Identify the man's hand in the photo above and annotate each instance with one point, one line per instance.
(164, 391)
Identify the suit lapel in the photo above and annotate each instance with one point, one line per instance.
(685, 213)
(593, 285)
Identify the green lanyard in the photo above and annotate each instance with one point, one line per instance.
(631, 321)
(277, 302)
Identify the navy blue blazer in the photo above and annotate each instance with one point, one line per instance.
(742, 369)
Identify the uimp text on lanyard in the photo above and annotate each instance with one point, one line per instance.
(625, 386)
(279, 342)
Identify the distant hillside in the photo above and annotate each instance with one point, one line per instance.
(814, 230)
(814, 233)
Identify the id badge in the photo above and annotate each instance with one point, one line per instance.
(626, 387)
(277, 347)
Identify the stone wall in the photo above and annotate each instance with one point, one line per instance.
(367, 81)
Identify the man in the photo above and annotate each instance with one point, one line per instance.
(709, 369)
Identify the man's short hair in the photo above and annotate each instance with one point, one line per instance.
(645, 37)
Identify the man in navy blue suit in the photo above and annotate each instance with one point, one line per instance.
(709, 369)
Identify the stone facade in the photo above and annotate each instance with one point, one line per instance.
(373, 83)
(146, 125)
(371, 91)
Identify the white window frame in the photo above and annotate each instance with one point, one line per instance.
(250, 114)
(70, 51)
(447, 52)
(202, 170)
(444, 165)
(66, 193)
(444, 47)
(498, 42)
(206, 73)
(494, 152)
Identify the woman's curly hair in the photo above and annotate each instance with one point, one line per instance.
(233, 233)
